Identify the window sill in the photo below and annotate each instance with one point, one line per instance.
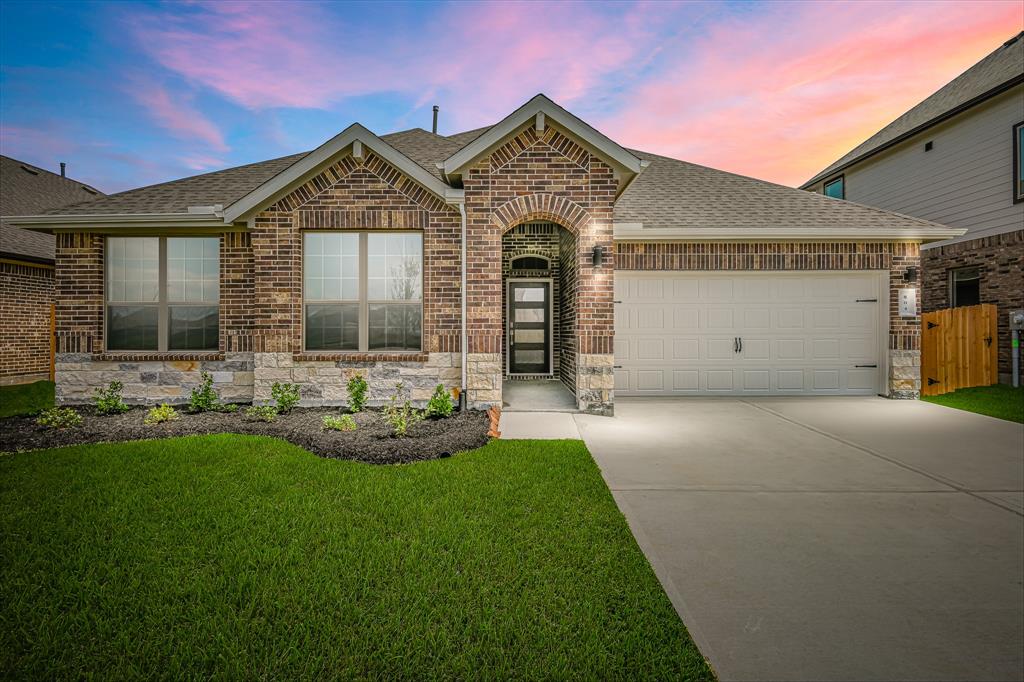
(356, 356)
(157, 356)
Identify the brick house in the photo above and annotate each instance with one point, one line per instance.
(26, 267)
(956, 159)
(537, 247)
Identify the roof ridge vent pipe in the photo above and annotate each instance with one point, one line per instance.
(63, 169)
(434, 128)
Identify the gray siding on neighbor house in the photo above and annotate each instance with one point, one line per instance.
(965, 181)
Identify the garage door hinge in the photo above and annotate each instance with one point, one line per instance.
(616, 301)
(616, 366)
(867, 300)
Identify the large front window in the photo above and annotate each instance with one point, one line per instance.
(163, 293)
(363, 291)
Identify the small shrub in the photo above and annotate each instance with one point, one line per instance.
(343, 423)
(59, 418)
(357, 389)
(260, 413)
(230, 408)
(401, 416)
(161, 414)
(109, 401)
(204, 398)
(286, 396)
(440, 404)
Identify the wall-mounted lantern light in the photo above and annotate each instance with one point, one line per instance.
(597, 256)
(910, 275)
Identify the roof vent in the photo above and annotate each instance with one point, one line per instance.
(63, 169)
(436, 109)
(30, 171)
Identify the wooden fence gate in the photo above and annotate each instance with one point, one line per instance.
(959, 348)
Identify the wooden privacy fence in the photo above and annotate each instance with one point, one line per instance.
(958, 348)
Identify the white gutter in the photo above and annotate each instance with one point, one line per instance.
(47, 223)
(632, 234)
(463, 337)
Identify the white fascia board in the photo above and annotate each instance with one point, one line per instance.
(524, 114)
(628, 232)
(320, 156)
(145, 221)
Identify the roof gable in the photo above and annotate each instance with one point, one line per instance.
(352, 140)
(538, 111)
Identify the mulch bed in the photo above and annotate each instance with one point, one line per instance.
(372, 442)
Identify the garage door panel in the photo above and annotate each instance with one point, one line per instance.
(803, 333)
(719, 349)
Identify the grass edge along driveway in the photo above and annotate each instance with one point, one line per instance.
(999, 401)
(240, 556)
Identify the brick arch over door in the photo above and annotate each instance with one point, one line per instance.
(541, 208)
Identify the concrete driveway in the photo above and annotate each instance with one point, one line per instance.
(828, 538)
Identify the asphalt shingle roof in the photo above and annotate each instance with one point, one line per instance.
(668, 193)
(1003, 65)
(28, 190)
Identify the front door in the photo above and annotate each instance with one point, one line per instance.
(529, 327)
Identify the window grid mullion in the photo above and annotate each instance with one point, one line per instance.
(162, 323)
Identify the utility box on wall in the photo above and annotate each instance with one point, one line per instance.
(908, 302)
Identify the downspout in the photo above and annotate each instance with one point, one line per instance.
(463, 337)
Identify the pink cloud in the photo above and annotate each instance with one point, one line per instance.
(176, 114)
(775, 90)
(783, 109)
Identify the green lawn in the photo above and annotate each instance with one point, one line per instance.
(246, 557)
(1000, 400)
(25, 398)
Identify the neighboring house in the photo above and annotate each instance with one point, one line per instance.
(536, 247)
(956, 159)
(26, 267)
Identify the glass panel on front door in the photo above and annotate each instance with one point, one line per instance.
(529, 332)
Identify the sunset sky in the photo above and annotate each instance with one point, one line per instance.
(135, 93)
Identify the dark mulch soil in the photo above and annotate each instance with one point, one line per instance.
(372, 442)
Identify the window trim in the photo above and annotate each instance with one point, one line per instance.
(162, 304)
(522, 256)
(831, 181)
(952, 280)
(364, 302)
(1015, 143)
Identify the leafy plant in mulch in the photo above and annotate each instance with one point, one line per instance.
(343, 423)
(229, 408)
(286, 396)
(59, 418)
(357, 389)
(260, 413)
(203, 397)
(440, 405)
(401, 416)
(161, 414)
(109, 401)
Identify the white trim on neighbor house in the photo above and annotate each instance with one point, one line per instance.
(541, 110)
(356, 136)
(635, 232)
(144, 221)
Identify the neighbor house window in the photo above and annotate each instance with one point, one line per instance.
(163, 293)
(363, 291)
(836, 188)
(964, 287)
(1018, 162)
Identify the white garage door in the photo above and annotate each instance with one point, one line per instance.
(685, 333)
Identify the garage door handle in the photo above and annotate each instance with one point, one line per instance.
(865, 365)
(735, 344)
(741, 344)
(867, 300)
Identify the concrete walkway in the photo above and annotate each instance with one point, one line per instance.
(828, 538)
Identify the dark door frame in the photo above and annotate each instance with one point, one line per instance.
(548, 328)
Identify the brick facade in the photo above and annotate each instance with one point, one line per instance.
(895, 257)
(532, 178)
(27, 293)
(1000, 260)
(540, 177)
